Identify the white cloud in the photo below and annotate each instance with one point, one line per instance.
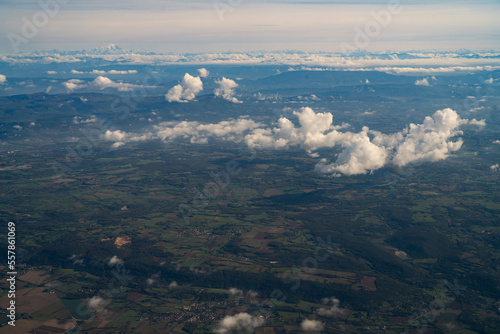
(3, 78)
(79, 120)
(51, 72)
(239, 322)
(115, 261)
(17, 127)
(100, 72)
(173, 285)
(333, 310)
(494, 168)
(101, 83)
(496, 142)
(150, 281)
(186, 90)
(96, 304)
(362, 152)
(489, 81)
(226, 89)
(236, 292)
(312, 325)
(422, 82)
(203, 72)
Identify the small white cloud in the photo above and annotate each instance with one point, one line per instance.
(17, 127)
(96, 304)
(51, 72)
(115, 261)
(3, 78)
(150, 281)
(494, 167)
(203, 72)
(489, 81)
(226, 90)
(423, 82)
(185, 91)
(173, 285)
(333, 310)
(236, 292)
(496, 142)
(312, 325)
(241, 322)
(79, 120)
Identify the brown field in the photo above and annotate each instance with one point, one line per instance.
(36, 277)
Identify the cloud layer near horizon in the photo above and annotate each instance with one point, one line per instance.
(361, 152)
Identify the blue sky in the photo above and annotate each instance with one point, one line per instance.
(248, 25)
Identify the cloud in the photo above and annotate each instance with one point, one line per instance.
(489, 81)
(100, 72)
(17, 127)
(101, 83)
(333, 310)
(422, 82)
(3, 78)
(494, 168)
(96, 304)
(236, 292)
(239, 322)
(226, 90)
(203, 72)
(496, 142)
(173, 285)
(115, 261)
(362, 152)
(79, 120)
(312, 325)
(51, 72)
(186, 90)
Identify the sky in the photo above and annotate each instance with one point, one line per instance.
(249, 25)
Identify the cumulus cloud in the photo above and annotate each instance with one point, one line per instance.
(494, 167)
(173, 285)
(239, 322)
(312, 325)
(362, 152)
(96, 304)
(101, 83)
(226, 90)
(17, 127)
(203, 72)
(422, 82)
(186, 90)
(331, 311)
(51, 72)
(3, 78)
(115, 261)
(236, 292)
(80, 120)
(100, 72)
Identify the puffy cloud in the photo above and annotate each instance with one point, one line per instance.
(362, 152)
(239, 322)
(101, 83)
(186, 90)
(100, 72)
(312, 325)
(74, 84)
(496, 142)
(51, 72)
(3, 78)
(236, 292)
(422, 82)
(494, 168)
(17, 127)
(203, 72)
(115, 261)
(173, 285)
(333, 310)
(79, 120)
(96, 304)
(226, 90)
